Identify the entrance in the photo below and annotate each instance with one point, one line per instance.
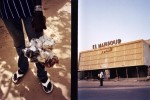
(124, 72)
(143, 71)
(118, 72)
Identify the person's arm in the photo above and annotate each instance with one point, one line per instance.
(38, 2)
(38, 5)
(39, 21)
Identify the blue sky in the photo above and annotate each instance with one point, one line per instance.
(104, 20)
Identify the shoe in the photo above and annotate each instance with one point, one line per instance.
(17, 76)
(47, 86)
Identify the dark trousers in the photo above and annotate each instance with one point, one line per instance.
(101, 81)
(15, 28)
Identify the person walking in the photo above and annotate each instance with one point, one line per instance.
(15, 14)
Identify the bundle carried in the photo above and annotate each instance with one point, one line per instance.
(40, 50)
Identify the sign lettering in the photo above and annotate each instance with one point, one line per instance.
(113, 42)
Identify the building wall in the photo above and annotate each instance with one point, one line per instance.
(133, 53)
(146, 53)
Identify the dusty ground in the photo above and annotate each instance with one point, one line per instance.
(58, 14)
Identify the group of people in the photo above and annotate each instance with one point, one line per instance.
(28, 13)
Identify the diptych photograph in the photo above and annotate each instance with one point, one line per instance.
(113, 50)
(74, 49)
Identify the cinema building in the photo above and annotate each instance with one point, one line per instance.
(124, 60)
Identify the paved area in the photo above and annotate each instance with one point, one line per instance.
(58, 17)
(132, 82)
(124, 89)
(118, 93)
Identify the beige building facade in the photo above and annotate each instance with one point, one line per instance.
(131, 59)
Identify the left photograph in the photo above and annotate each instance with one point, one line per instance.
(35, 49)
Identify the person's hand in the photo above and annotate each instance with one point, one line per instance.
(39, 21)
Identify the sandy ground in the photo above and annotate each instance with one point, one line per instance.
(58, 14)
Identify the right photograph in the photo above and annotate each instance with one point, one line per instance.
(113, 50)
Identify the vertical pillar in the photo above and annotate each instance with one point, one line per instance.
(88, 74)
(91, 75)
(137, 72)
(126, 72)
(83, 74)
(117, 74)
(148, 73)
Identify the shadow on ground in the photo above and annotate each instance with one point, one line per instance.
(58, 14)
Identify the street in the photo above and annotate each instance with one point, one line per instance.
(113, 91)
(119, 93)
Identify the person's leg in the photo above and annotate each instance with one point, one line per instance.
(41, 73)
(14, 26)
(101, 81)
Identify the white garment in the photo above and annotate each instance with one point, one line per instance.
(101, 75)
